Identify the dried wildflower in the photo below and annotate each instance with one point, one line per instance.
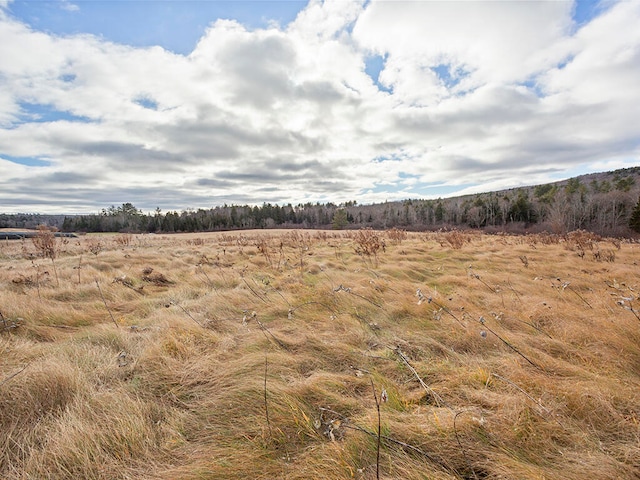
(421, 297)
(342, 288)
(122, 359)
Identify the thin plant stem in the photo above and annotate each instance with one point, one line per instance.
(514, 291)
(265, 330)
(105, 304)
(430, 300)
(544, 409)
(37, 267)
(199, 267)
(635, 312)
(55, 271)
(535, 328)
(579, 296)
(388, 439)
(173, 302)
(348, 290)
(477, 277)
(439, 400)
(512, 347)
(266, 404)
(13, 375)
(375, 396)
(224, 279)
(464, 453)
(253, 291)
(293, 309)
(79, 267)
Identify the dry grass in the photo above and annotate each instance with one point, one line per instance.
(173, 386)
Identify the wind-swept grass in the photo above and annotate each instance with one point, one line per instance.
(253, 355)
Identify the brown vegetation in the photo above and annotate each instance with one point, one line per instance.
(295, 355)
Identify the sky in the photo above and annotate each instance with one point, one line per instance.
(194, 104)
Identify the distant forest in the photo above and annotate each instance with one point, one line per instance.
(604, 203)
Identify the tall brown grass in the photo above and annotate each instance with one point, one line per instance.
(170, 381)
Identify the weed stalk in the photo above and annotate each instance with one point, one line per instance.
(508, 344)
(266, 404)
(173, 302)
(105, 304)
(375, 396)
(439, 400)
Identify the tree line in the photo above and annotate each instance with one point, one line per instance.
(605, 203)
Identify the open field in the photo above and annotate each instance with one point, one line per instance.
(256, 355)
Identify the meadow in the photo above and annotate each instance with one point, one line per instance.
(320, 354)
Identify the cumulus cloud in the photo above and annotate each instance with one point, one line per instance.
(435, 50)
(492, 95)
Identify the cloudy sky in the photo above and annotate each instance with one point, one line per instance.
(179, 104)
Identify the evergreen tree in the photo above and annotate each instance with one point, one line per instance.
(634, 221)
(340, 219)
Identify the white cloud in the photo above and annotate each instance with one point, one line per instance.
(69, 6)
(289, 114)
(496, 42)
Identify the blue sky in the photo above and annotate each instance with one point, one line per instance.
(175, 25)
(212, 102)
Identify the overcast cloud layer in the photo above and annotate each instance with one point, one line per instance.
(471, 97)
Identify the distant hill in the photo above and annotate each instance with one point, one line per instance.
(599, 202)
(29, 221)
